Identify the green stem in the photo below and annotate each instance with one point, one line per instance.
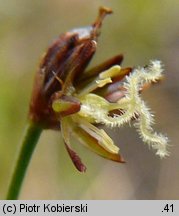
(29, 142)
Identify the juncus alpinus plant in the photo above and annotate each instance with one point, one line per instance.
(74, 101)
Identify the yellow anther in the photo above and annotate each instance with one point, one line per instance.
(111, 72)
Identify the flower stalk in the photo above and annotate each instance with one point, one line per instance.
(29, 142)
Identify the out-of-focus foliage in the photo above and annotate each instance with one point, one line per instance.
(141, 30)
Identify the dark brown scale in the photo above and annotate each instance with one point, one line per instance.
(61, 44)
(56, 46)
(74, 62)
(56, 60)
(79, 61)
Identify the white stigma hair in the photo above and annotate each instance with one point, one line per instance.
(96, 108)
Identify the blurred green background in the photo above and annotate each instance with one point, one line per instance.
(141, 30)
